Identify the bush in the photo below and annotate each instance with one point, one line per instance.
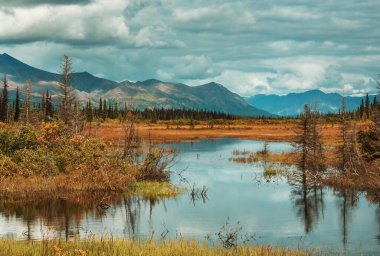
(49, 151)
(7, 166)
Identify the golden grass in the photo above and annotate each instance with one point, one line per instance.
(97, 247)
(288, 158)
(152, 189)
(19, 188)
(364, 180)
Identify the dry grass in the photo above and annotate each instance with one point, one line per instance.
(159, 133)
(99, 247)
(288, 158)
(151, 189)
(19, 188)
(367, 179)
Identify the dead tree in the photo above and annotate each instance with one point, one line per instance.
(349, 150)
(27, 102)
(67, 92)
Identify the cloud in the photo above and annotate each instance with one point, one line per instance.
(188, 67)
(250, 46)
(41, 2)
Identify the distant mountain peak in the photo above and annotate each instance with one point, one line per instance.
(213, 85)
(9, 58)
(150, 81)
(292, 103)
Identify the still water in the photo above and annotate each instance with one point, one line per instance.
(267, 211)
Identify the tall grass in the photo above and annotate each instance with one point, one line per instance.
(95, 247)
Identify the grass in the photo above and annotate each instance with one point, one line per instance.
(152, 189)
(288, 158)
(97, 247)
(271, 172)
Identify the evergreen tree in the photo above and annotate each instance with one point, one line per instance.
(48, 107)
(367, 106)
(361, 109)
(16, 117)
(89, 114)
(100, 107)
(374, 104)
(4, 101)
(104, 113)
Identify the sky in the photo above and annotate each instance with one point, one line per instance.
(249, 46)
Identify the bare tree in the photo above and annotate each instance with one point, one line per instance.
(344, 134)
(349, 150)
(67, 92)
(27, 102)
(310, 146)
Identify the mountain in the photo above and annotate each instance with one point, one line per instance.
(154, 93)
(19, 72)
(142, 94)
(292, 103)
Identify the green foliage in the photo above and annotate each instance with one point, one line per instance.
(369, 142)
(47, 151)
(13, 140)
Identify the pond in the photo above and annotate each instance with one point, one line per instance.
(267, 211)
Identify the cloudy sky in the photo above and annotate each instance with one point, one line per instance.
(250, 46)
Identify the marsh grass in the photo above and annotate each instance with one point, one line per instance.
(99, 247)
(151, 189)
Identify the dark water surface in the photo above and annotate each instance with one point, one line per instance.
(271, 212)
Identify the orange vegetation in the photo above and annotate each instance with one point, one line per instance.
(250, 130)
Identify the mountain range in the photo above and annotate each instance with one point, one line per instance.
(154, 93)
(142, 94)
(292, 104)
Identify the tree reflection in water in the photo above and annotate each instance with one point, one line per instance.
(347, 202)
(63, 214)
(307, 197)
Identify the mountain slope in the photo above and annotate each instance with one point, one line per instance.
(292, 103)
(154, 93)
(19, 72)
(142, 94)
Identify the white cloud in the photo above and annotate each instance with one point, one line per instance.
(285, 12)
(249, 46)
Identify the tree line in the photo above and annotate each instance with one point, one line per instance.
(28, 108)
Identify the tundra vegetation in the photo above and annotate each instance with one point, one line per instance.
(45, 147)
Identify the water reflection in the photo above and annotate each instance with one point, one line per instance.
(308, 204)
(320, 216)
(346, 202)
(63, 215)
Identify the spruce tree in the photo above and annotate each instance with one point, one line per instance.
(104, 114)
(48, 107)
(361, 109)
(367, 106)
(16, 117)
(89, 114)
(4, 101)
(100, 107)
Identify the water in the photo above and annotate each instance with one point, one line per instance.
(272, 212)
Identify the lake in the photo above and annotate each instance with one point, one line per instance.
(265, 211)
